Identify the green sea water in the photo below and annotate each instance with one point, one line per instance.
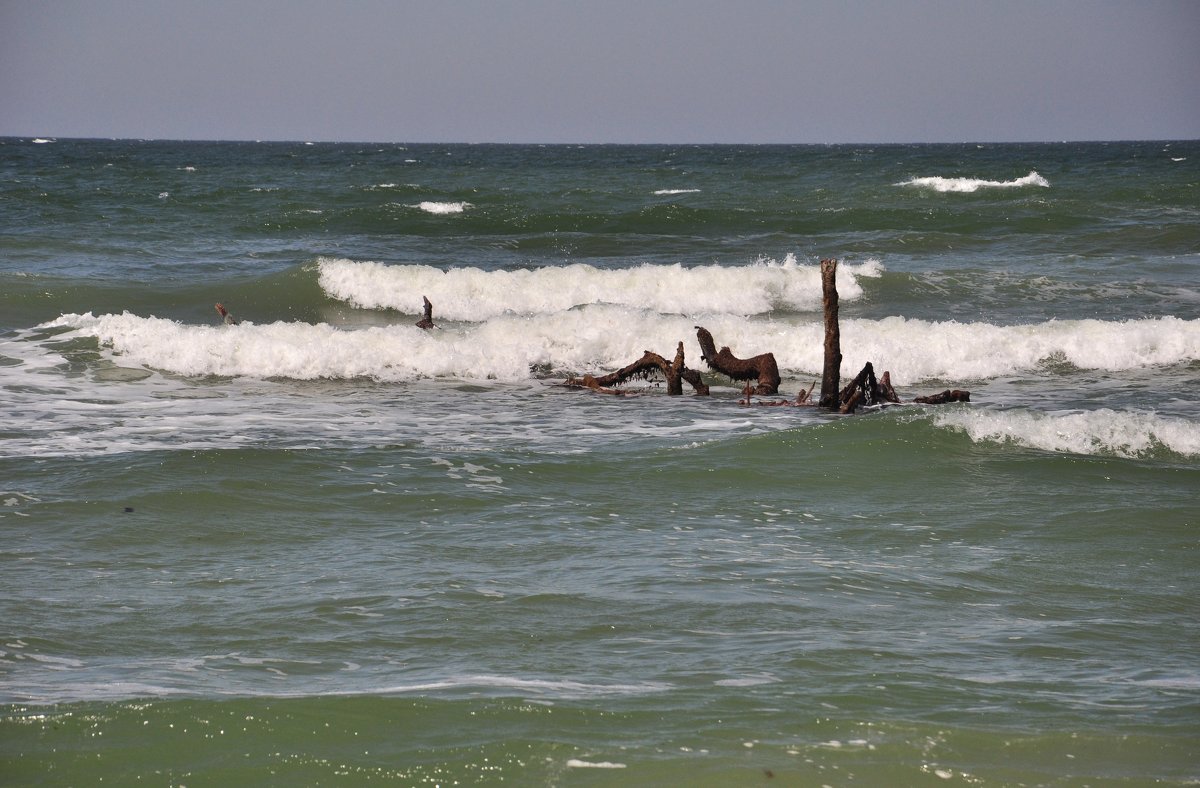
(324, 547)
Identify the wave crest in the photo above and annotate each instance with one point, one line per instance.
(606, 337)
(443, 208)
(969, 185)
(1099, 432)
(474, 294)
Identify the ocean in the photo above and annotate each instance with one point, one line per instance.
(323, 546)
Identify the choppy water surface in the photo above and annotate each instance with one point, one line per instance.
(325, 546)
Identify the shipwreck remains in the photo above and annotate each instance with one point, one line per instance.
(949, 395)
(226, 318)
(675, 373)
(761, 372)
(426, 322)
(761, 367)
(833, 337)
(865, 389)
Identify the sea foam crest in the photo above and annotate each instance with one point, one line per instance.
(602, 338)
(476, 294)
(300, 351)
(940, 184)
(442, 208)
(1098, 432)
(916, 350)
(553, 687)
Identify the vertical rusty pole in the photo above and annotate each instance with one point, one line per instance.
(830, 378)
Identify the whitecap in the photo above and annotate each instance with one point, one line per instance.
(55, 663)
(969, 185)
(1189, 683)
(478, 294)
(746, 681)
(506, 347)
(575, 763)
(565, 687)
(918, 350)
(1099, 432)
(443, 208)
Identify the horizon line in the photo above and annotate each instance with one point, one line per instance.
(56, 138)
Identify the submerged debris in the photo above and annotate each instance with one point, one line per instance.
(761, 372)
(224, 313)
(426, 322)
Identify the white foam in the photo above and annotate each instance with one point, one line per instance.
(603, 338)
(562, 687)
(917, 350)
(442, 208)
(55, 663)
(55, 411)
(63, 692)
(301, 351)
(676, 191)
(968, 185)
(747, 681)
(1190, 683)
(476, 294)
(1102, 432)
(575, 763)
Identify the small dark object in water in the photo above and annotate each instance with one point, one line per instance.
(427, 321)
(224, 313)
(128, 509)
(957, 395)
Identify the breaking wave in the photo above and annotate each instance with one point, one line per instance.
(442, 208)
(1098, 432)
(968, 185)
(475, 294)
(605, 337)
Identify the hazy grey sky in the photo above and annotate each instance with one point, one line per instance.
(602, 70)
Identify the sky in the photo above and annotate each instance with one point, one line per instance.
(602, 71)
